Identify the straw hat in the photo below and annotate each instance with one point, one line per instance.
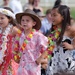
(32, 14)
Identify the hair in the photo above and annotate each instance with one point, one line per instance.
(63, 10)
(12, 21)
(48, 11)
(57, 2)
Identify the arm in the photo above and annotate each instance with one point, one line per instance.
(42, 59)
(68, 46)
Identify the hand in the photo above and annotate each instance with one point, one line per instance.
(67, 46)
(44, 66)
(15, 30)
(20, 27)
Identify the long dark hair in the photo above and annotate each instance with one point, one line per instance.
(57, 2)
(63, 10)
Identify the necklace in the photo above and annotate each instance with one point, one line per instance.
(3, 46)
(51, 41)
(17, 53)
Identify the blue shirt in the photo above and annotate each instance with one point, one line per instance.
(46, 26)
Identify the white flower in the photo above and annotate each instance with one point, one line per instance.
(4, 42)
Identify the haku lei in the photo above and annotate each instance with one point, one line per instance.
(3, 47)
(51, 39)
(17, 53)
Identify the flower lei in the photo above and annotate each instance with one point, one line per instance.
(3, 47)
(17, 53)
(51, 39)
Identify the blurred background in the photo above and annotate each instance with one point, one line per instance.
(49, 4)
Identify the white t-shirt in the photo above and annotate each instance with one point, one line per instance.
(16, 6)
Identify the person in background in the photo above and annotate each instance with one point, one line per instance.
(46, 22)
(28, 5)
(16, 6)
(36, 7)
(41, 15)
(5, 3)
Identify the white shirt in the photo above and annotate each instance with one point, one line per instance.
(16, 6)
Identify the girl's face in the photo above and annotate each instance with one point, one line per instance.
(27, 22)
(56, 17)
(4, 21)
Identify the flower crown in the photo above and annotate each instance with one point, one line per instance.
(7, 12)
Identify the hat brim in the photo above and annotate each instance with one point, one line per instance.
(35, 17)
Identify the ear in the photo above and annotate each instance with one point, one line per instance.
(34, 23)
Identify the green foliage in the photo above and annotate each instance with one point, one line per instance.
(72, 12)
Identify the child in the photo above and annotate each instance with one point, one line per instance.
(46, 22)
(60, 19)
(6, 39)
(30, 44)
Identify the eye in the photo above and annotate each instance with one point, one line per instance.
(2, 17)
(27, 20)
(22, 20)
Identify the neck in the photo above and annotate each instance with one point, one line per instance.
(26, 32)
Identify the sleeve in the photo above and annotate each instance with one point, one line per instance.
(43, 29)
(43, 42)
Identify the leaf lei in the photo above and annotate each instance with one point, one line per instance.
(51, 39)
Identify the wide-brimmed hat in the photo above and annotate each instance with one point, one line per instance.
(32, 14)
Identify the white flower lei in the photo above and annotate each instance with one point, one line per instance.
(4, 42)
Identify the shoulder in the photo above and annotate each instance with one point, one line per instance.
(39, 35)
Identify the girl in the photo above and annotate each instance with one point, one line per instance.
(6, 38)
(60, 19)
(30, 44)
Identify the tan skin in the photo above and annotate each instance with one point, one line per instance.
(70, 31)
(56, 18)
(5, 2)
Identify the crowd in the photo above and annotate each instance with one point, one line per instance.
(34, 43)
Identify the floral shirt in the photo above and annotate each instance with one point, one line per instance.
(63, 61)
(35, 46)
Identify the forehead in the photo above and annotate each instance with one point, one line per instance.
(27, 17)
(2, 14)
(54, 11)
